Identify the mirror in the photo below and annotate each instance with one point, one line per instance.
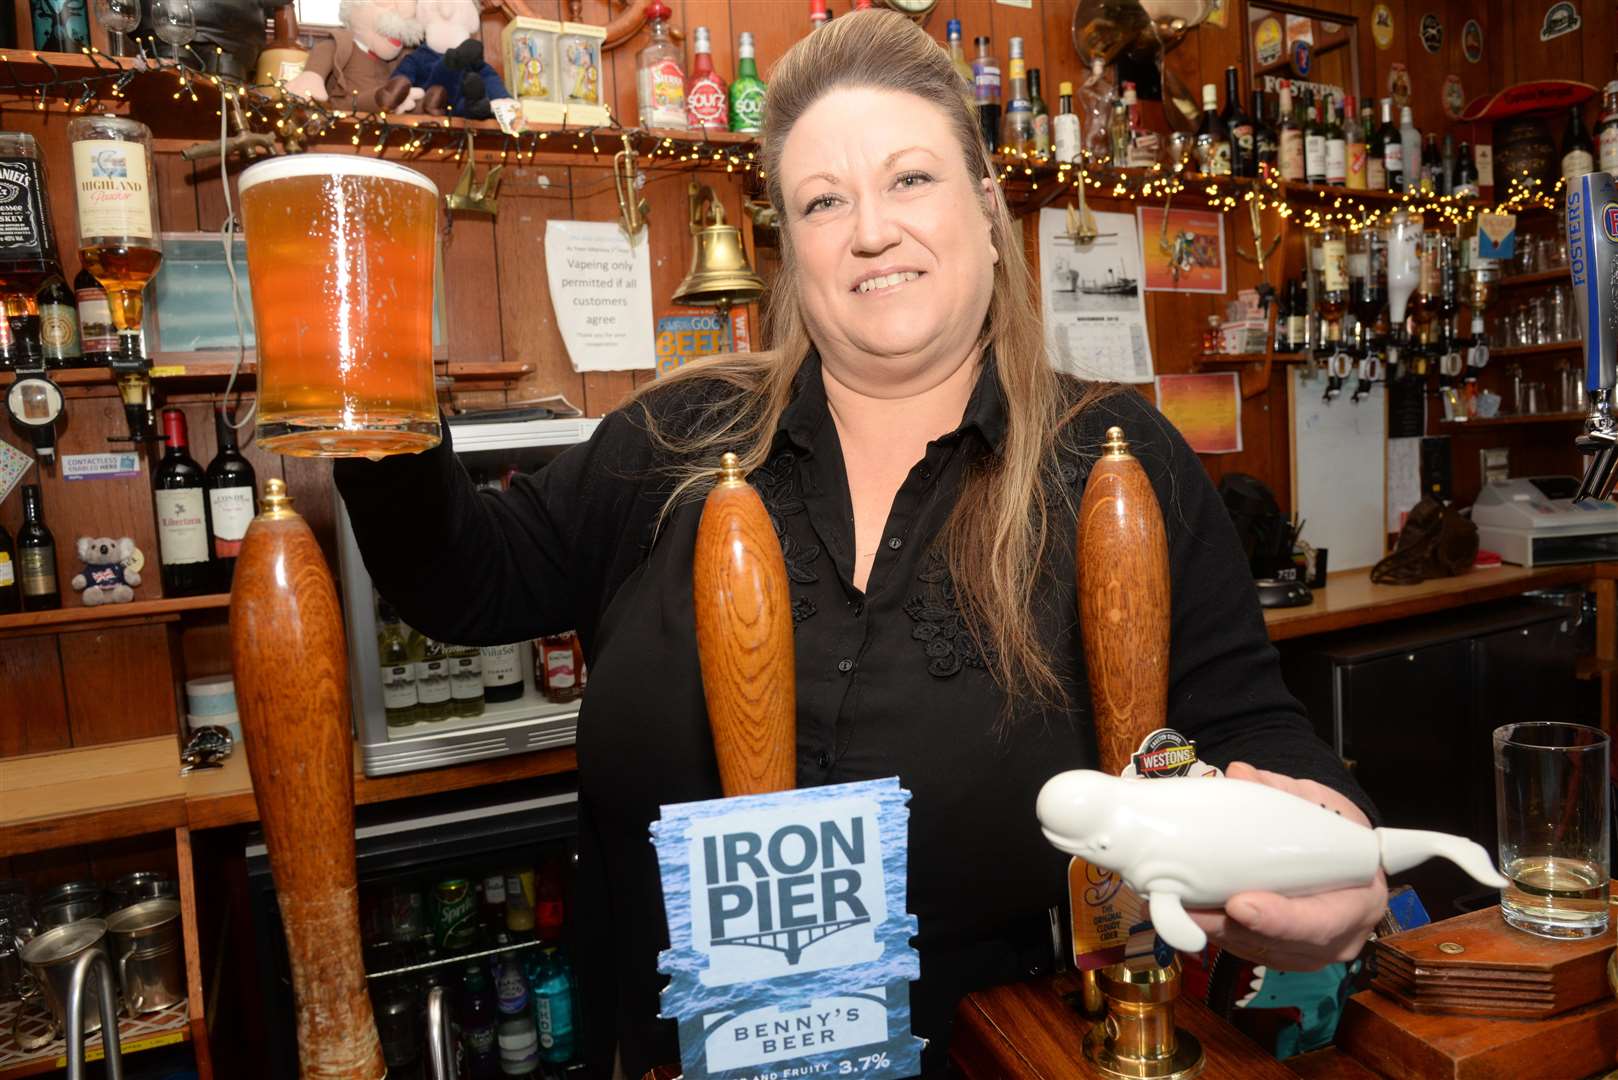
(1316, 50)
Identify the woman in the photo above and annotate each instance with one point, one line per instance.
(921, 462)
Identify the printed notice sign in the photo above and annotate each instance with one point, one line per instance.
(100, 466)
(601, 290)
(789, 943)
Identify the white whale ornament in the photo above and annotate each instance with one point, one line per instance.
(1196, 842)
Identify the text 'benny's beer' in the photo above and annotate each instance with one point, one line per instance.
(340, 252)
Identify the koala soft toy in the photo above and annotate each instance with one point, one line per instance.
(106, 578)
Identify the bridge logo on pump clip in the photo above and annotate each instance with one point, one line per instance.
(1609, 221)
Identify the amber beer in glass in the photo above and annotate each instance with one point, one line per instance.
(340, 253)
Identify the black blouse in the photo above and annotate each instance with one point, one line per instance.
(889, 680)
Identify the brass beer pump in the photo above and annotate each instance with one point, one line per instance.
(291, 667)
(1123, 583)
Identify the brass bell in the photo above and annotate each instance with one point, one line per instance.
(720, 276)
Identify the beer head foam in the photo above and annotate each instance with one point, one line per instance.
(281, 168)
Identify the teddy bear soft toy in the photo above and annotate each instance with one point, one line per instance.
(107, 577)
(354, 68)
(449, 67)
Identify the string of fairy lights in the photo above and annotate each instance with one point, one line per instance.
(1030, 179)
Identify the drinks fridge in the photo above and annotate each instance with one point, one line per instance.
(419, 704)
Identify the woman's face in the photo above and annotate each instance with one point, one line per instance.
(893, 247)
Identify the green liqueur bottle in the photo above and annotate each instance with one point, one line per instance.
(747, 92)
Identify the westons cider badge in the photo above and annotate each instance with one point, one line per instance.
(789, 944)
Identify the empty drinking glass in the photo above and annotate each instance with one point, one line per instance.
(1552, 790)
(118, 17)
(174, 22)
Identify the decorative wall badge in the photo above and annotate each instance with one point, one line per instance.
(1267, 41)
(789, 943)
(1303, 58)
(1472, 41)
(1560, 18)
(1454, 95)
(1382, 26)
(1432, 33)
(1398, 86)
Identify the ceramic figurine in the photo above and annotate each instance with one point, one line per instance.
(1196, 842)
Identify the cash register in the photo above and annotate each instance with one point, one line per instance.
(1533, 521)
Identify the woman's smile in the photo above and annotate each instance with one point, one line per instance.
(886, 283)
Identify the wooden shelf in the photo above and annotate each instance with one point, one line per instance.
(1541, 277)
(187, 366)
(95, 793)
(1452, 426)
(76, 616)
(1508, 351)
(1214, 359)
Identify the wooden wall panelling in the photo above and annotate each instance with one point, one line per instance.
(594, 199)
(529, 197)
(120, 684)
(33, 702)
(1599, 38)
(97, 507)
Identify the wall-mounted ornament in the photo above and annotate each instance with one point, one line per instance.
(1267, 42)
(1399, 85)
(1472, 41)
(1560, 18)
(1454, 96)
(1432, 33)
(1303, 58)
(1382, 26)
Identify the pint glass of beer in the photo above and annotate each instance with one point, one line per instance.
(340, 253)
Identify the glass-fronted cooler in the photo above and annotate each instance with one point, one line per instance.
(458, 891)
(420, 703)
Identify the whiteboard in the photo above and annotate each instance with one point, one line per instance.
(1339, 469)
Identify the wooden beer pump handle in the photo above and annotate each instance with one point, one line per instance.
(291, 669)
(1123, 579)
(744, 638)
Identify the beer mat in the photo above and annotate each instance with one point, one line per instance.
(1476, 964)
(13, 464)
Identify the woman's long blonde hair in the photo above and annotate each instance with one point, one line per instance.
(996, 536)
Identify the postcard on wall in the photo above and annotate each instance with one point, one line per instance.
(1182, 250)
(1095, 312)
(1205, 408)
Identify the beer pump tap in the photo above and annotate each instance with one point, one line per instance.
(1592, 240)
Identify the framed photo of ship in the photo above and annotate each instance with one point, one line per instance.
(1182, 250)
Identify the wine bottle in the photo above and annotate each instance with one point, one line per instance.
(1298, 316)
(1376, 167)
(1578, 152)
(1333, 281)
(465, 679)
(502, 673)
(398, 671)
(183, 533)
(1291, 139)
(432, 678)
(1336, 144)
(1466, 174)
(1432, 166)
(1607, 131)
(1266, 142)
(232, 498)
(36, 556)
(1354, 144)
(1213, 140)
(1243, 143)
(10, 589)
(1393, 149)
(1314, 141)
(1042, 114)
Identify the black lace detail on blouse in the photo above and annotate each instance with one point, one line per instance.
(777, 484)
(946, 638)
